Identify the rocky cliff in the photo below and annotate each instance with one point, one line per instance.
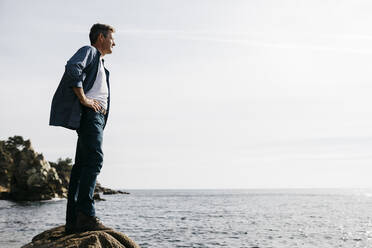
(27, 175)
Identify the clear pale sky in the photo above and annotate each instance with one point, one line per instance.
(205, 93)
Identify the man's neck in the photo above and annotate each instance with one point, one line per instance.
(99, 49)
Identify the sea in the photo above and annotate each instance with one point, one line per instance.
(260, 218)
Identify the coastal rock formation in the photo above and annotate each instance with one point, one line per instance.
(63, 168)
(55, 238)
(26, 176)
(6, 162)
(106, 191)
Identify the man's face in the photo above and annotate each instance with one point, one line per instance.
(107, 43)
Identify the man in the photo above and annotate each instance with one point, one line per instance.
(82, 103)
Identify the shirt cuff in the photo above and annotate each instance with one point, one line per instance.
(78, 84)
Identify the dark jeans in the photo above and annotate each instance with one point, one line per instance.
(88, 164)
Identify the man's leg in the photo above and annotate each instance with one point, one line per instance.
(91, 137)
(73, 188)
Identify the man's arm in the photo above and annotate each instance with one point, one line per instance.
(77, 63)
(90, 103)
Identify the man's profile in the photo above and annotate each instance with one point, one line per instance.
(82, 103)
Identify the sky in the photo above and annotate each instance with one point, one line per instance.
(204, 93)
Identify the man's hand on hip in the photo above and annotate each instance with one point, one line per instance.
(87, 102)
(91, 103)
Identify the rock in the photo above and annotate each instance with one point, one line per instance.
(97, 197)
(107, 191)
(6, 163)
(56, 238)
(29, 176)
(63, 168)
(4, 193)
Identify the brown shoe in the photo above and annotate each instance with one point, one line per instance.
(87, 223)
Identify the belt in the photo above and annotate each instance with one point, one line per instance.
(102, 111)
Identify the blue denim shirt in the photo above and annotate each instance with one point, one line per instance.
(80, 71)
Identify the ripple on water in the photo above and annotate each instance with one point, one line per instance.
(211, 219)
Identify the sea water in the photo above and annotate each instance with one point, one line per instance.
(213, 218)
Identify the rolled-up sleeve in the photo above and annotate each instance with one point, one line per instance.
(76, 64)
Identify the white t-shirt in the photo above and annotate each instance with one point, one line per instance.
(99, 91)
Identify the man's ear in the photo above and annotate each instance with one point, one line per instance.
(101, 37)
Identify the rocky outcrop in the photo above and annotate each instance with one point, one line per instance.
(25, 175)
(55, 238)
(63, 168)
(107, 191)
(6, 162)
